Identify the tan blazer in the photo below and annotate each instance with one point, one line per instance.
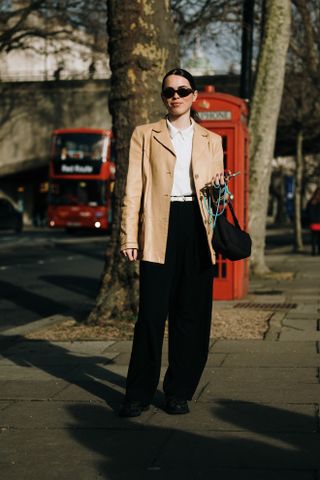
(146, 203)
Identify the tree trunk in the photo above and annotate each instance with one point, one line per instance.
(142, 46)
(298, 242)
(263, 119)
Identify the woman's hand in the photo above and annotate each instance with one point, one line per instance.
(130, 253)
(219, 179)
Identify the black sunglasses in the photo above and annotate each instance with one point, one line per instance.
(181, 91)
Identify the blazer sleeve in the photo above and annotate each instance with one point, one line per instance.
(131, 202)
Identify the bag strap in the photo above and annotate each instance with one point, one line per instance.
(234, 215)
(210, 201)
(220, 201)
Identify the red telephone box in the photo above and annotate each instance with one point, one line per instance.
(227, 116)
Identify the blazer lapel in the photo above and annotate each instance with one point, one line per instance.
(161, 134)
(199, 146)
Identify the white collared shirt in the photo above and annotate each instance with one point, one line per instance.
(182, 144)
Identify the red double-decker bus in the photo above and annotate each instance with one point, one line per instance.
(81, 179)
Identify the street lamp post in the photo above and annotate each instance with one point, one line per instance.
(246, 56)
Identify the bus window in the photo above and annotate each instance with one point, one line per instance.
(79, 146)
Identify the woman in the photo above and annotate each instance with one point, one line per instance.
(165, 225)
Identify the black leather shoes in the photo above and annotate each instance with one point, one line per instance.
(174, 406)
(132, 409)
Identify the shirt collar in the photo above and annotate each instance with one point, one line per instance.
(185, 133)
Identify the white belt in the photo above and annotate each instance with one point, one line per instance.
(182, 198)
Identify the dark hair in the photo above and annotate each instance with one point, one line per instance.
(181, 73)
(185, 74)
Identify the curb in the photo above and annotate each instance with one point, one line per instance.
(36, 325)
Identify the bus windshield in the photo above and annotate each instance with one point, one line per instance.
(77, 192)
(78, 146)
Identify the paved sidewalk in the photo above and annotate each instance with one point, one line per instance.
(255, 415)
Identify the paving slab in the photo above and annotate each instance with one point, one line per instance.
(99, 471)
(254, 474)
(304, 298)
(302, 316)
(296, 359)
(260, 346)
(288, 333)
(261, 392)
(124, 358)
(30, 415)
(116, 370)
(42, 360)
(240, 416)
(92, 391)
(100, 447)
(34, 390)
(54, 471)
(301, 324)
(88, 347)
(302, 290)
(260, 297)
(114, 454)
(4, 404)
(216, 359)
(83, 471)
(299, 330)
(307, 308)
(265, 375)
(120, 346)
(85, 347)
(8, 372)
(241, 450)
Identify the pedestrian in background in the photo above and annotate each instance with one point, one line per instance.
(165, 225)
(313, 212)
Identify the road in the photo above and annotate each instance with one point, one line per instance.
(45, 272)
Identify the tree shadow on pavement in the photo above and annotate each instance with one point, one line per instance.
(195, 451)
(224, 439)
(87, 372)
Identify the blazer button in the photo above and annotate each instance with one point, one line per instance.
(196, 176)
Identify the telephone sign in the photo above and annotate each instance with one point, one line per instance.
(212, 115)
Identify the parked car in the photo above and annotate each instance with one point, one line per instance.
(10, 217)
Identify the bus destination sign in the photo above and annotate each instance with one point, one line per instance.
(68, 167)
(215, 115)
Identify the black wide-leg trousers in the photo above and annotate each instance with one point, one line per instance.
(180, 290)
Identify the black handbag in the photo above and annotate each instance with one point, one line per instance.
(229, 239)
